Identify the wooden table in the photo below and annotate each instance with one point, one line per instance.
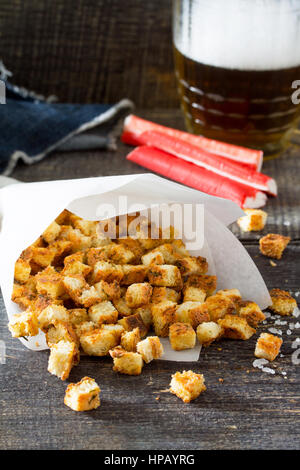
(248, 410)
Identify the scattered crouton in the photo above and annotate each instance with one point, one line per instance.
(207, 332)
(51, 232)
(268, 346)
(23, 324)
(182, 336)
(232, 294)
(133, 274)
(193, 294)
(253, 221)
(150, 348)
(191, 265)
(126, 362)
(203, 282)
(122, 307)
(61, 359)
(60, 331)
(193, 313)
(130, 339)
(106, 271)
(115, 328)
(145, 313)
(273, 245)
(138, 294)
(85, 327)
(282, 302)
(251, 311)
(165, 275)
(134, 321)
(218, 306)
(51, 314)
(74, 286)
(236, 327)
(164, 293)
(103, 312)
(163, 315)
(83, 396)
(22, 270)
(49, 282)
(187, 385)
(89, 296)
(98, 342)
(108, 290)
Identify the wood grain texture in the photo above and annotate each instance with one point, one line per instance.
(249, 410)
(91, 50)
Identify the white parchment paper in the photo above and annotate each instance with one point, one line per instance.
(28, 208)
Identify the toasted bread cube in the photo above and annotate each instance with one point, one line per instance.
(282, 302)
(83, 396)
(134, 246)
(164, 254)
(164, 275)
(163, 315)
(97, 254)
(85, 327)
(115, 328)
(145, 313)
(273, 245)
(87, 227)
(236, 327)
(23, 324)
(61, 359)
(193, 313)
(50, 283)
(104, 312)
(191, 265)
(51, 232)
(73, 257)
(42, 256)
(18, 291)
(182, 336)
(89, 297)
(253, 221)
(207, 332)
(106, 271)
(179, 247)
(193, 294)
(150, 348)
(51, 314)
(79, 241)
(218, 306)
(22, 270)
(125, 362)
(78, 315)
(122, 307)
(203, 282)
(119, 254)
(187, 385)
(138, 294)
(164, 293)
(133, 274)
(98, 342)
(108, 290)
(152, 258)
(61, 331)
(74, 286)
(76, 268)
(134, 321)
(267, 346)
(42, 301)
(233, 294)
(130, 339)
(251, 311)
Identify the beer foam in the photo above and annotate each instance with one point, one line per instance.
(239, 34)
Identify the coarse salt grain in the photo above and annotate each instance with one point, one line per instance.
(275, 331)
(296, 312)
(268, 370)
(259, 363)
(280, 322)
(288, 332)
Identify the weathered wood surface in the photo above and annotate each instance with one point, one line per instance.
(249, 410)
(91, 50)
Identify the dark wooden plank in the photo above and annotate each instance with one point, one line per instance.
(249, 410)
(284, 214)
(98, 51)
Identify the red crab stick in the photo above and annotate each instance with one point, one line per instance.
(216, 164)
(134, 126)
(198, 178)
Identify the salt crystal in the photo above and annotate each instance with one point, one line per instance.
(275, 331)
(279, 322)
(297, 325)
(296, 343)
(287, 223)
(265, 322)
(297, 293)
(296, 312)
(283, 373)
(268, 370)
(288, 332)
(267, 314)
(281, 355)
(292, 326)
(259, 363)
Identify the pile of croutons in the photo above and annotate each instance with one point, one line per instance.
(101, 295)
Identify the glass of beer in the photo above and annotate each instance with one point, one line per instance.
(236, 63)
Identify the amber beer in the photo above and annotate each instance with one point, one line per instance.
(235, 65)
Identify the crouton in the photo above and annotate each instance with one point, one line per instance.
(119, 254)
(134, 246)
(218, 306)
(282, 302)
(133, 274)
(83, 396)
(42, 256)
(191, 265)
(145, 313)
(22, 270)
(164, 254)
(202, 282)
(63, 217)
(23, 324)
(179, 247)
(43, 301)
(187, 385)
(125, 362)
(89, 297)
(138, 294)
(273, 245)
(74, 257)
(97, 254)
(152, 258)
(182, 336)
(104, 312)
(51, 232)
(61, 331)
(77, 267)
(98, 342)
(106, 271)
(163, 315)
(116, 329)
(50, 283)
(267, 346)
(84, 327)
(122, 307)
(130, 339)
(251, 311)
(164, 293)
(74, 286)
(61, 359)
(150, 348)
(87, 227)
(236, 327)
(108, 290)
(78, 240)
(164, 275)
(253, 221)
(193, 313)
(78, 315)
(134, 321)
(207, 332)
(51, 314)
(60, 248)
(193, 294)
(233, 294)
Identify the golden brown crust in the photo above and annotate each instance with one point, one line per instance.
(282, 302)
(273, 245)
